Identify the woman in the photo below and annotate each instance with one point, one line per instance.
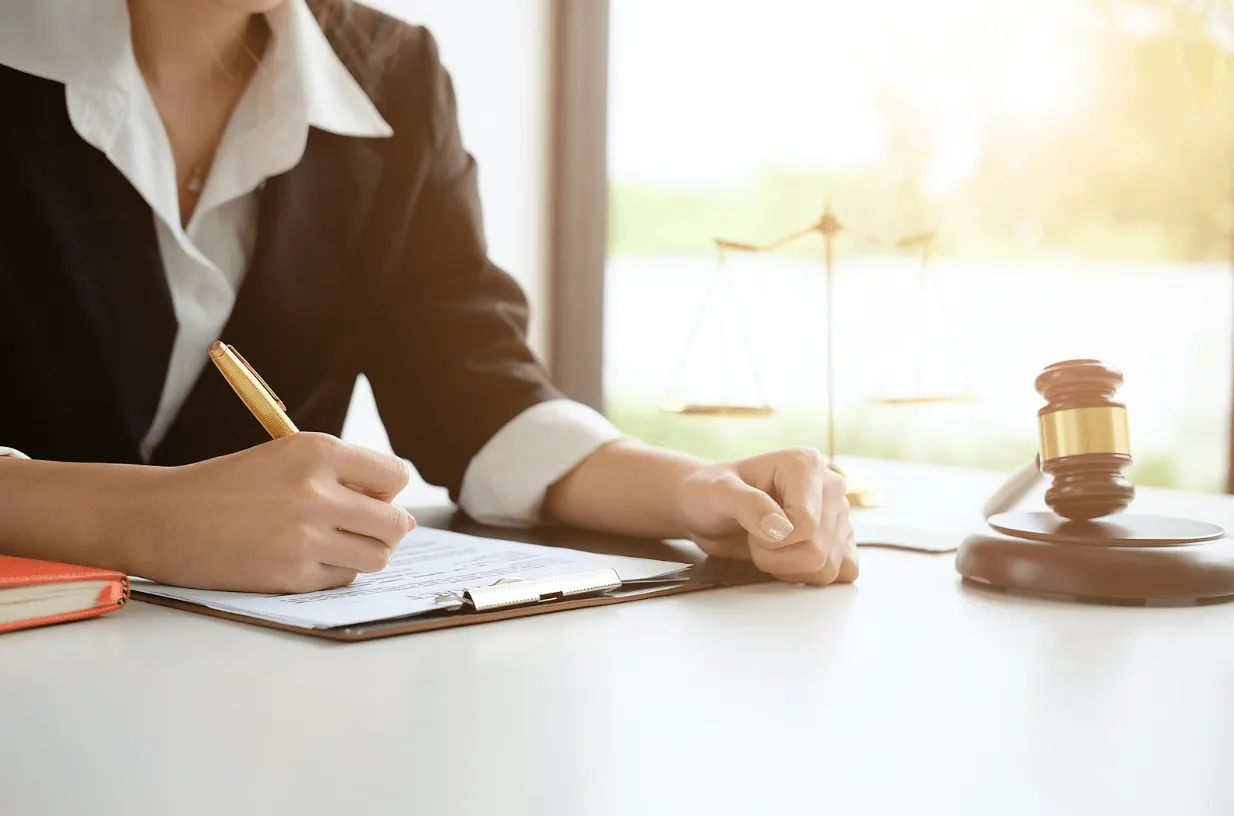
(289, 177)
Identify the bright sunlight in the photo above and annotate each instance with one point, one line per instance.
(1074, 157)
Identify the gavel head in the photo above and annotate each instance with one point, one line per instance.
(1085, 443)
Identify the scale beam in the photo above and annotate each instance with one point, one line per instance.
(828, 227)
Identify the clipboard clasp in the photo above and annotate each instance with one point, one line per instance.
(513, 591)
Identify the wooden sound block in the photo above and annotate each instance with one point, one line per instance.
(1126, 530)
(1120, 559)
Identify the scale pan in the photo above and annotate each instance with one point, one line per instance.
(718, 410)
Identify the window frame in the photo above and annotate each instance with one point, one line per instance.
(579, 201)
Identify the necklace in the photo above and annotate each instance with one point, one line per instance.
(195, 179)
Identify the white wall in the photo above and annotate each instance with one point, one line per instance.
(498, 53)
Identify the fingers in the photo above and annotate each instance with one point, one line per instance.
(328, 577)
(790, 563)
(312, 577)
(799, 564)
(817, 560)
(376, 474)
(800, 479)
(730, 548)
(349, 551)
(364, 532)
(850, 564)
(839, 552)
(756, 512)
(803, 482)
(366, 516)
(820, 549)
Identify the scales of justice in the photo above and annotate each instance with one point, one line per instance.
(753, 405)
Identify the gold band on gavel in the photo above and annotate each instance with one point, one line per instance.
(1085, 430)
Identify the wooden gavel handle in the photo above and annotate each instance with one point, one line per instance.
(1015, 488)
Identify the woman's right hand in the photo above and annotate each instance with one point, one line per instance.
(298, 514)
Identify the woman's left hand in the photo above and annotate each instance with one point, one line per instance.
(784, 510)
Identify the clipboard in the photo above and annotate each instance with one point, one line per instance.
(511, 597)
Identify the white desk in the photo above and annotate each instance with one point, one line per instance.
(907, 693)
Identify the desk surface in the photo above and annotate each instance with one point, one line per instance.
(905, 693)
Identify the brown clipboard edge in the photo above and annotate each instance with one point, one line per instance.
(379, 629)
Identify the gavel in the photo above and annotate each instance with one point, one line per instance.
(1086, 547)
(1084, 440)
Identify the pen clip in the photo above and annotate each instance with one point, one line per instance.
(257, 377)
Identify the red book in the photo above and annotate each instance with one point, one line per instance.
(38, 593)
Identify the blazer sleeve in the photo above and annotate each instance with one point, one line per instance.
(451, 365)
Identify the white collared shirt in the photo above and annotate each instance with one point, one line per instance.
(301, 84)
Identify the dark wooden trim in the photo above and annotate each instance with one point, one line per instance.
(578, 220)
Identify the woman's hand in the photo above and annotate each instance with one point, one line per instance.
(785, 510)
(298, 514)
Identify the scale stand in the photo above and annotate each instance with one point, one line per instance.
(829, 227)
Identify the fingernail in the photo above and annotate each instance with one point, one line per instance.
(775, 526)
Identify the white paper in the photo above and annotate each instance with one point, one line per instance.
(426, 563)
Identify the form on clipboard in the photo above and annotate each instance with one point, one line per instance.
(436, 579)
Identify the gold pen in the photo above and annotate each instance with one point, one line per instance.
(252, 390)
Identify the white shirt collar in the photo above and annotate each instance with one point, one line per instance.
(87, 44)
(335, 100)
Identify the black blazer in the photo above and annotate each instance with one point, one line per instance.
(370, 260)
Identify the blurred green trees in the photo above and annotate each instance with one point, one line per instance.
(1142, 170)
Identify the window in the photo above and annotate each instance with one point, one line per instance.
(1072, 158)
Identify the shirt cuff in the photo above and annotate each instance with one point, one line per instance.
(506, 482)
(14, 453)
